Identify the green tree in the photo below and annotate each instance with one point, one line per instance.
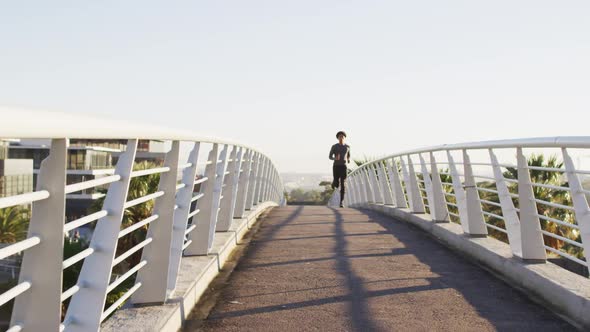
(138, 187)
(562, 197)
(327, 193)
(14, 224)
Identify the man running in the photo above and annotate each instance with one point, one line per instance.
(340, 153)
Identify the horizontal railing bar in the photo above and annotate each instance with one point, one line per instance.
(448, 163)
(14, 292)
(555, 205)
(447, 183)
(548, 186)
(143, 199)
(489, 214)
(150, 171)
(450, 194)
(120, 301)
(452, 204)
(564, 239)
(137, 225)
(67, 294)
(487, 190)
(557, 221)
(91, 183)
(186, 244)
(485, 201)
(454, 214)
(481, 164)
(131, 251)
(23, 198)
(497, 228)
(183, 166)
(201, 180)
(19, 246)
(485, 177)
(541, 168)
(190, 229)
(582, 172)
(77, 258)
(126, 276)
(563, 254)
(180, 186)
(194, 198)
(194, 213)
(84, 220)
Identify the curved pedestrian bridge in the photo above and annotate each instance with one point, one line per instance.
(164, 229)
(330, 269)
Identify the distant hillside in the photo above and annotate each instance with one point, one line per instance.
(306, 181)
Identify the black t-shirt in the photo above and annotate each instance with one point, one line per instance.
(341, 150)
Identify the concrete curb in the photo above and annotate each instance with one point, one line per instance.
(562, 291)
(196, 273)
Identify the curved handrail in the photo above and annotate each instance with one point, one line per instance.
(28, 123)
(534, 142)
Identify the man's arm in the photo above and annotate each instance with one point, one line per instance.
(348, 155)
(331, 155)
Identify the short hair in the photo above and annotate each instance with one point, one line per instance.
(340, 133)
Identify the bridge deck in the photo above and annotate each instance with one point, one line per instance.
(322, 269)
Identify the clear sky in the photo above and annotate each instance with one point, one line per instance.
(284, 76)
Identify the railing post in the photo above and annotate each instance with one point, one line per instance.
(387, 196)
(579, 201)
(200, 236)
(359, 189)
(507, 205)
(230, 191)
(354, 192)
(378, 193)
(86, 306)
(260, 180)
(253, 182)
(154, 276)
(427, 185)
(243, 184)
(277, 184)
(396, 185)
(416, 203)
(475, 221)
(265, 197)
(368, 186)
(441, 211)
(460, 198)
(533, 246)
(39, 309)
(183, 200)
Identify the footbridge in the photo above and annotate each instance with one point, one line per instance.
(477, 236)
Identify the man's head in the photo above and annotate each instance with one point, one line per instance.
(340, 136)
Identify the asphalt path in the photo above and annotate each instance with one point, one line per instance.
(311, 268)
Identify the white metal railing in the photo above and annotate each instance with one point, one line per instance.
(537, 209)
(183, 222)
